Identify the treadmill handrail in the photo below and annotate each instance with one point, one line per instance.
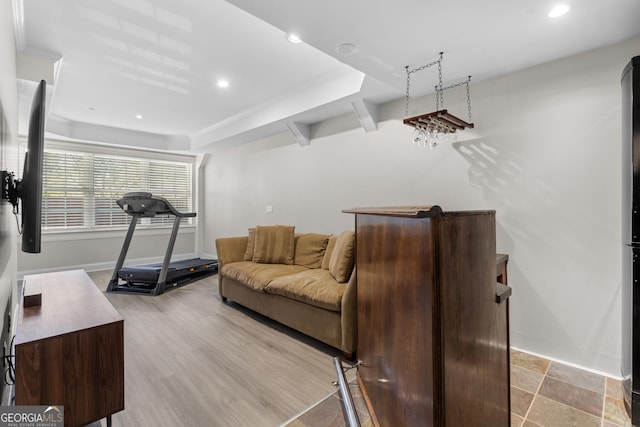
(144, 204)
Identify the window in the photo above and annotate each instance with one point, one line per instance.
(81, 184)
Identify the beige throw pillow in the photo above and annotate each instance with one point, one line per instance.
(248, 254)
(327, 252)
(342, 258)
(274, 244)
(310, 249)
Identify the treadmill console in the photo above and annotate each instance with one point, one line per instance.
(143, 204)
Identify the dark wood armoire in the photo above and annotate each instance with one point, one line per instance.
(433, 338)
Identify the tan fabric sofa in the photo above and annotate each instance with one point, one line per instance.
(304, 281)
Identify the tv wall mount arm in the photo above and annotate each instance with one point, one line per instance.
(11, 189)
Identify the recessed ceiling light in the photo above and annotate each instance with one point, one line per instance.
(139, 116)
(293, 38)
(559, 10)
(347, 49)
(222, 83)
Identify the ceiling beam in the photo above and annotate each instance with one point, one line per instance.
(300, 132)
(331, 87)
(367, 113)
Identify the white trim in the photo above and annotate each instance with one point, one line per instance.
(72, 130)
(573, 365)
(73, 235)
(18, 23)
(56, 145)
(97, 148)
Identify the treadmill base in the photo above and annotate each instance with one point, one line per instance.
(144, 279)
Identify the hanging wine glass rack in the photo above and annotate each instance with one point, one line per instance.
(432, 127)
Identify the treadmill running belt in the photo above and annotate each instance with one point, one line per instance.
(178, 270)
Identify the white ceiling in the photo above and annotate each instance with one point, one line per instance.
(107, 61)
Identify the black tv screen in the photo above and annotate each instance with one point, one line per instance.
(31, 192)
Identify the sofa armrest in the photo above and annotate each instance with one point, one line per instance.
(231, 249)
(349, 314)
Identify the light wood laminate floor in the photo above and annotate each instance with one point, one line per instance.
(192, 360)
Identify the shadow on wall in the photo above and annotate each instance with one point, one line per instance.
(542, 201)
(563, 247)
(499, 172)
(548, 193)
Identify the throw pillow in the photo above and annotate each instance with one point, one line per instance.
(274, 244)
(327, 252)
(310, 249)
(342, 258)
(248, 254)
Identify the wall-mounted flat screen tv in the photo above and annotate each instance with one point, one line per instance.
(29, 188)
(32, 174)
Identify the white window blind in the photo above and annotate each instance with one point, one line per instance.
(112, 175)
(80, 188)
(66, 189)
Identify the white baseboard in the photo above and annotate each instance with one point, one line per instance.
(564, 362)
(98, 266)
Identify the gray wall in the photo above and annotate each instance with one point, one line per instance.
(99, 250)
(545, 155)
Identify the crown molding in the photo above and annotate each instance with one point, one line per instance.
(18, 23)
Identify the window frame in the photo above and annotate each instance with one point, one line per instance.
(131, 153)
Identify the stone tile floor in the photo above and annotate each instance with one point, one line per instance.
(551, 394)
(543, 394)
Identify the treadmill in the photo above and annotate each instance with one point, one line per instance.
(154, 279)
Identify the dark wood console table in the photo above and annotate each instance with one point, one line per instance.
(433, 340)
(70, 349)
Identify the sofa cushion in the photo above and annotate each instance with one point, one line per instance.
(258, 276)
(315, 287)
(251, 243)
(327, 253)
(274, 244)
(342, 257)
(310, 249)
